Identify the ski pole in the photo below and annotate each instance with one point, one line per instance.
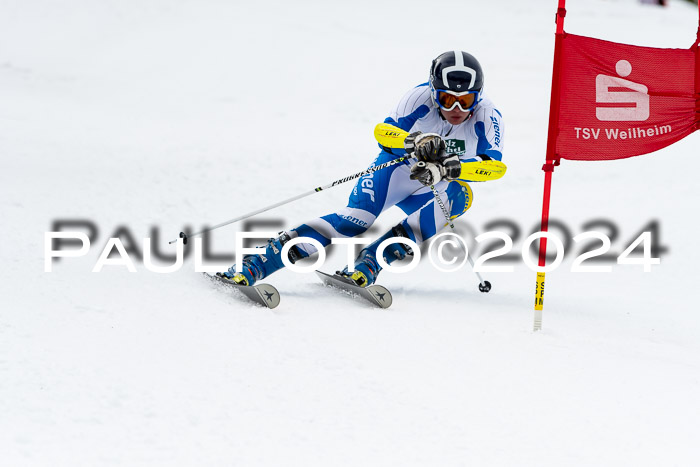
(340, 181)
(484, 286)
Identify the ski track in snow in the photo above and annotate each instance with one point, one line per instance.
(169, 114)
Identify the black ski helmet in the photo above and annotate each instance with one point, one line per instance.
(456, 71)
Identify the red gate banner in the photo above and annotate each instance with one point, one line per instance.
(619, 101)
(612, 101)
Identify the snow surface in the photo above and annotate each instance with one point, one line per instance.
(166, 114)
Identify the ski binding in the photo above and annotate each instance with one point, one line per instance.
(375, 294)
(262, 294)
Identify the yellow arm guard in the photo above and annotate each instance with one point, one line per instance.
(482, 171)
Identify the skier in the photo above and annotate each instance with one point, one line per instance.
(450, 121)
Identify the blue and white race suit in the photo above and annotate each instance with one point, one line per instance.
(479, 135)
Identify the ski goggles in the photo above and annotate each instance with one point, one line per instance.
(448, 100)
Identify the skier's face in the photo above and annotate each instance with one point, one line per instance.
(455, 116)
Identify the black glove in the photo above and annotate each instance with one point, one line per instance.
(428, 173)
(452, 167)
(428, 147)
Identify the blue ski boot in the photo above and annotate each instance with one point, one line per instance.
(257, 267)
(366, 266)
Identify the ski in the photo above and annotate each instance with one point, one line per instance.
(262, 294)
(375, 294)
